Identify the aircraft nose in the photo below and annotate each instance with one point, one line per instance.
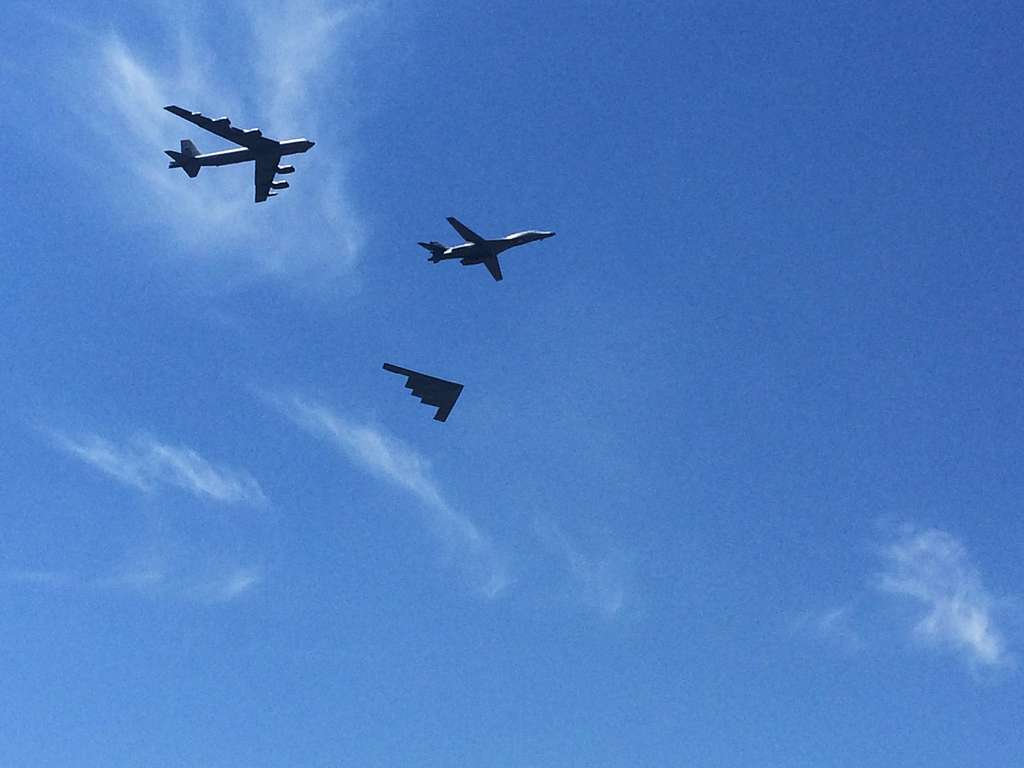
(311, 144)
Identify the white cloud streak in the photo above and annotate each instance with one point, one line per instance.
(835, 625)
(232, 585)
(36, 578)
(157, 579)
(390, 459)
(598, 581)
(150, 577)
(182, 578)
(164, 569)
(288, 73)
(933, 569)
(146, 464)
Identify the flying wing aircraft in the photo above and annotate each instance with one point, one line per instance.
(480, 250)
(255, 146)
(430, 390)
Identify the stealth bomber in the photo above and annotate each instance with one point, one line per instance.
(430, 390)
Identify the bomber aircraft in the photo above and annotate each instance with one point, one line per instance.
(479, 250)
(255, 146)
(430, 390)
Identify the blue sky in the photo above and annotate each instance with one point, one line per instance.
(735, 479)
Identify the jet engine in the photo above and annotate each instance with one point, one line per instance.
(279, 185)
(286, 169)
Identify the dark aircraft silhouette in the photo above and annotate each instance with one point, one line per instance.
(255, 146)
(430, 390)
(478, 250)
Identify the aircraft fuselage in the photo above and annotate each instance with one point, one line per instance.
(245, 154)
(477, 253)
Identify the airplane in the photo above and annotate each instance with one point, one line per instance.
(255, 146)
(479, 250)
(430, 390)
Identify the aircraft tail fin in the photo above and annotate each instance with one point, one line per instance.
(185, 158)
(436, 250)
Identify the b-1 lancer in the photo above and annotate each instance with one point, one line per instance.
(255, 146)
(479, 250)
(430, 390)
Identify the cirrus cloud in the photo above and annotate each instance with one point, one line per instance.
(146, 464)
(932, 569)
(390, 459)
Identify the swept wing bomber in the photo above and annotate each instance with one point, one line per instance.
(479, 250)
(254, 146)
(430, 390)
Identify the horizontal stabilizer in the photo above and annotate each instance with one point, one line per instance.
(436, 250)
(185, 162)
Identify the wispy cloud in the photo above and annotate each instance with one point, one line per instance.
(228, 586)
(180, 575)
(151, 576)
(298, 42)
(35, 577)
(834, 625)
(392, 460)
(598, 580)
(147, 464)
(932, 569)
(281, 80)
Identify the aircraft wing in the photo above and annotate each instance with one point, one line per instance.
(430, 390)
(266, 167)
(251, 137)
(465, 232)
(493, 267)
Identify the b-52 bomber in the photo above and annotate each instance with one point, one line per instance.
(255, 146)
(479, 250)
